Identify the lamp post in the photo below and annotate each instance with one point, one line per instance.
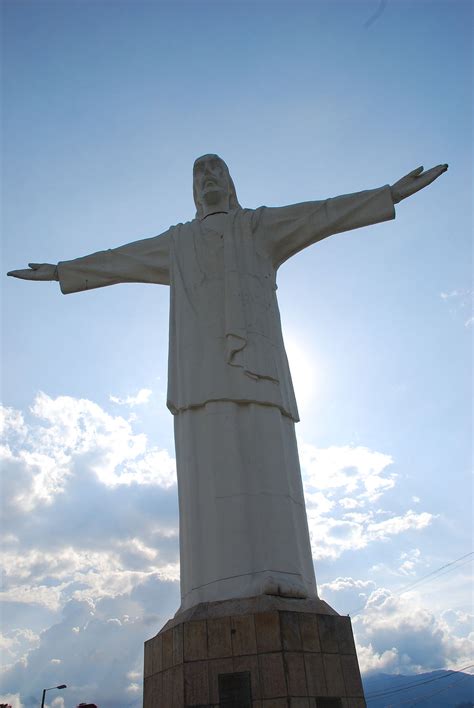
(63, 685)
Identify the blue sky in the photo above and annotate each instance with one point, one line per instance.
(105, 106)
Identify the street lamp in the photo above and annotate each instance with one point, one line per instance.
(63, 685)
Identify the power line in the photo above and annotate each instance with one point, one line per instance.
(381, 694)
(433, 572)
(421, 699)
(436, 573)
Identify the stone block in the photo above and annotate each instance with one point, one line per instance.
(153, 690)
(294, 658)
(345, 637)
(290, 631)
(327, 634)
(333, 673)
(353, 703)
(167, 650)
(219, 641)
(172, 688)
(147, 659)
(243, 636)
(351, 673)
(250, 663)
(157, 654)
(195, 640)
(196, 683)
(267, 629)
(177, 644)
(216, 667)
(295, 674)
(309, 632)
(272, 675)
(315, 677)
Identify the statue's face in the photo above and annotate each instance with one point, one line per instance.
(211, 183)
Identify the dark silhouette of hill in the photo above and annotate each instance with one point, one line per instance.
(436, 689)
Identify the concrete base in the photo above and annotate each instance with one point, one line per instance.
(262, 652)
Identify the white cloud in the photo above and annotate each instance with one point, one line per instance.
(356, 471)
(460, 304)
(411, 560)
(398, 634)
(341, 485)
(143, 396)
(417, 640)
(90, 531)
(12, 699)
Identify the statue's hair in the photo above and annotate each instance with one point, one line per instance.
(233, 201)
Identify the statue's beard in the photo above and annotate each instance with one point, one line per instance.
(214, 196)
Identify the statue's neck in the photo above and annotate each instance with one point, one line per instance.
(215, 206)
(212, 213)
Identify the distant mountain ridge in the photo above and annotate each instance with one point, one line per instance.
(436, 689)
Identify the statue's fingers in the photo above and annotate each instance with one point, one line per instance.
(415, 173)
(434, 173)
(25, 273)
(35, 266)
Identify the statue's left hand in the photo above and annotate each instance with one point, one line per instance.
(414, 181)
(36, 271)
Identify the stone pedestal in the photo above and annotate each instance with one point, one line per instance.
(262, 652)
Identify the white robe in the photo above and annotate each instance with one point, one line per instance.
(226, 345)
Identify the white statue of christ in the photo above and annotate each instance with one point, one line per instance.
(242, 519)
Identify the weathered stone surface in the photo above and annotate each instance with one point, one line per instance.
(315, 677)
(295, 673)
(272, 675)
(219, 642)
(327, 634)
(167, 652)
(345, 637)
(177, 644)
(351, 673)
(195, 640)
(334, 677)
(250, 663)
(290, 631)
(250, 605)
(243, 636)
(279, 649)
(153, 690)
(216, 667)
(309, 632)
(196, 683)
(267, 628)
(354, 703)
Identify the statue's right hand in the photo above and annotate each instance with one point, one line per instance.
(36, 271)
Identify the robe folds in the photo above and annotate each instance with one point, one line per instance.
(227, 362)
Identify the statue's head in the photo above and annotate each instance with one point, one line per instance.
(213, 185)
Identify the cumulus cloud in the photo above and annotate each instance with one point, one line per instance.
(90, 550)
(416, 639)
(397, 633)
(143, 396)
(341, 485)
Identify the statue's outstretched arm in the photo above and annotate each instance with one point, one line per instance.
(287, 230)
(36, 271)
(414, 181)
(144, 261)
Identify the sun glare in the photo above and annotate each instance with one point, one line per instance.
(304, 370)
